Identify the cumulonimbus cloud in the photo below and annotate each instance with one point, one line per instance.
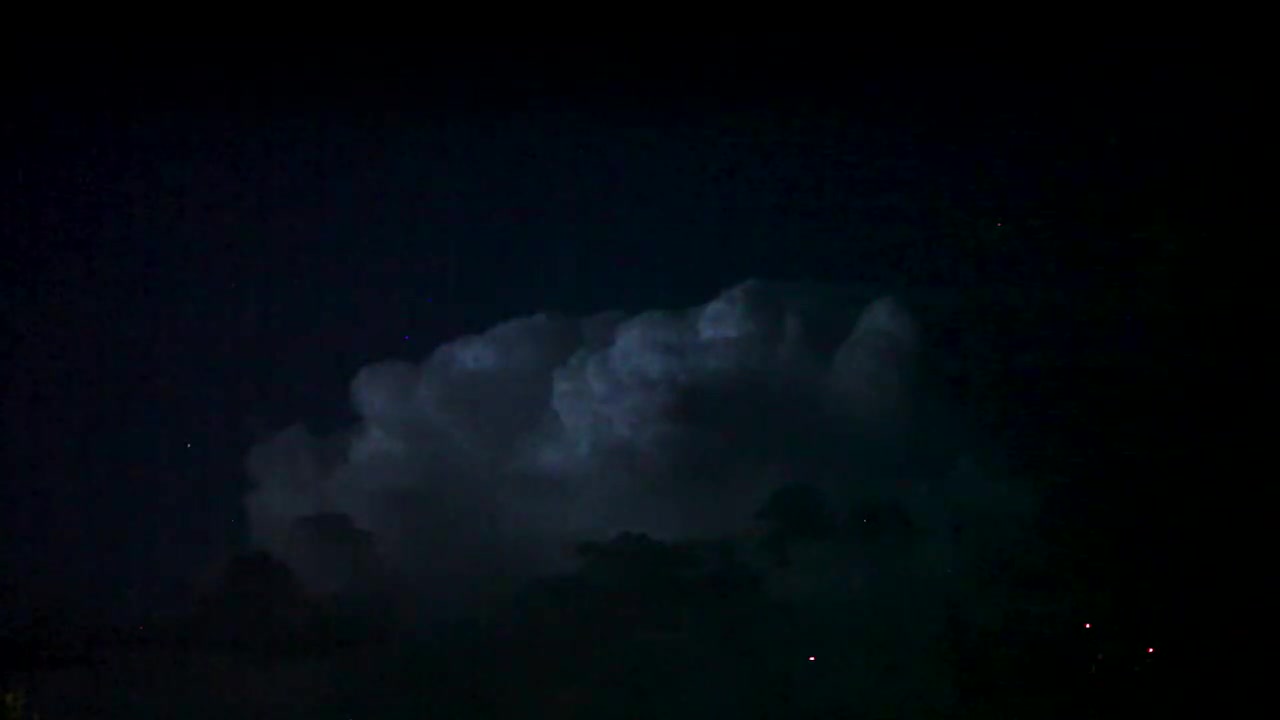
(495, 453)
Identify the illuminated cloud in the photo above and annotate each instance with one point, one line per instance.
(485, 461)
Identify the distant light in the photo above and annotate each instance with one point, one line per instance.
(1151, 650)
(406, 337)
(812, 658)
(188, 445)
(1087, 626)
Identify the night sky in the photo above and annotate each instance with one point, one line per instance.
(204, 246)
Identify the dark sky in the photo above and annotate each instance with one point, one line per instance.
(205, 244)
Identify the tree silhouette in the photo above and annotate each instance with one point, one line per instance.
(257, 604)
(332, 555)
(641, 623)
(794, 512)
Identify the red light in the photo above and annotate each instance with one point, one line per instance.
(1151, 650)
(812, 658)
(1087, 626)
